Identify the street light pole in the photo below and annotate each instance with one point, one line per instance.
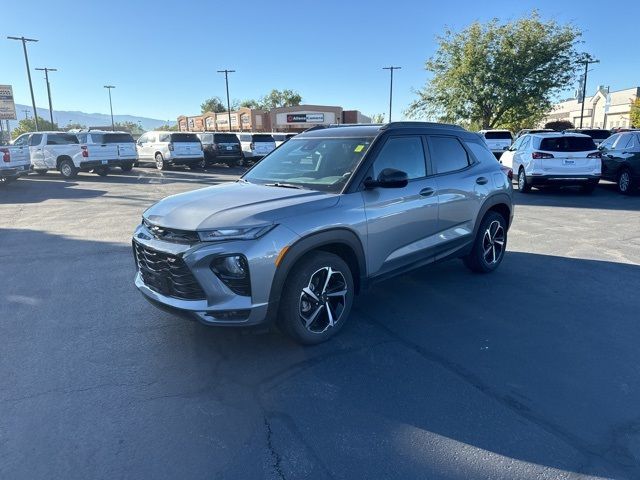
(26, 61)
(113, 125)
(587, 60)
(46, 76)
(226, 80)
(391, 69)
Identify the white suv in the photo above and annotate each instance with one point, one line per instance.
(554, 158)
(171, 148)
(256, 145)
(117, 148)
(497, 140)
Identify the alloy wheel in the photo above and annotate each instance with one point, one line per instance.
(66, 170)
(493, 243)
(624, 181)
(323, 300)
(521, 180)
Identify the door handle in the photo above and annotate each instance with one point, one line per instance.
(427, 192)
(481, 180)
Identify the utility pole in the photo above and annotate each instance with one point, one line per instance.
(226, 79)
(26, 113)
(587, 59)
(46, 76)
(113, 125)
(391, 69)
(26, 61)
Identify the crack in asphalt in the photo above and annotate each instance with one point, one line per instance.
(609, 455)
(275, 456)
(64, 391)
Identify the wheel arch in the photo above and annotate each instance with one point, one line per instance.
(61, 158)
(500, 203)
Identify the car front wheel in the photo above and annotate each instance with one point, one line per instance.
(625, 182)
(317, 298)
(490, 244)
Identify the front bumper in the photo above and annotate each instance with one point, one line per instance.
(221, 306)
(14, 172)
(562, 179)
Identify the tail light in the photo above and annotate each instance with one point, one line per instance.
(171, 147)
(510, 174)
(538, 155)
(252, 146)
(594, 155)
(85, 151)
(6, 155)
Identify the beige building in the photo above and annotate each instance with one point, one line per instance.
(242, 120)
(598, 112)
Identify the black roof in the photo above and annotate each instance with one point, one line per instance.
(371, 130)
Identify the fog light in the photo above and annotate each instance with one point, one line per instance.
(233, 271)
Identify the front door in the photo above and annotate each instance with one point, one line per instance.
(400, 221)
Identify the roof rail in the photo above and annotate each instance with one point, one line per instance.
(393, 125)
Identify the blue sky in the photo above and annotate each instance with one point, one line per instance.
(163, 56)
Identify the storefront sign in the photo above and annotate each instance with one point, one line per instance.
(305, 118)
(7, 105)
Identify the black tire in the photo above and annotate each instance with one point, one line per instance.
(68, 169)
(588, 187)
(201, 165)
(161, 164)
(625, 182)
(489, 245)
(102, 171)
(41, 171)
(315, 327)
(126, 167)
(523, 185)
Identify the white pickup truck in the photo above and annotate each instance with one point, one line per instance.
(14, 162)
(59, 151)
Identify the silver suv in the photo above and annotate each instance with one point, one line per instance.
(320, 218)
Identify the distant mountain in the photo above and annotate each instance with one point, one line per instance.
(63, 118)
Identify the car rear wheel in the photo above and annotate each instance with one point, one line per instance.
(160, 162)
(126, 167)
(626, 185)
(317, 298)
(489, 246)
(201, 165)
(68, 169)
(41, 171)
(523, 185)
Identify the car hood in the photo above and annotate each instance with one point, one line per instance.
(235, 205)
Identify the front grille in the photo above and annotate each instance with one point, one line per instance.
(171, 234)
(166, 274)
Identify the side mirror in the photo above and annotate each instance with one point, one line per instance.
(388, 178)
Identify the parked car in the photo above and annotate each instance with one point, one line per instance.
(554, 159)
(497, 140)
(318, 219)
(279, 138)
(597, 134)
(60, 151)
(221, 148)
(256, 145)
(621, 160)
(525, 131)
(166, 149)
(117, 148)
(15, 161)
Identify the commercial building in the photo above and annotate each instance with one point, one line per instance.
(602, 110)
(282, 119)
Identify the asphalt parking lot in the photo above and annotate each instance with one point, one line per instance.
(531, 372)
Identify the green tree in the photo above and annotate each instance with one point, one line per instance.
(377, 118)
(559, 125)
(634, 113)
(280, 98)
(168, 128)
(74, 126)
(498, 74)
(251, 103)
(29, 125)
(213, 104)
(130, 127)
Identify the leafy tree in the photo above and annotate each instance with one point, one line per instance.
(169, 128)
(498, 74)
(29, 125)
(278, 98)
(634, 113)
(213, 104)
(251, 103)
(74, 126)
(377, 118)
(559, 125)
(130, 127)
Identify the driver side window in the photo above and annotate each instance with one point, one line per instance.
(402, 153)
(20, 141)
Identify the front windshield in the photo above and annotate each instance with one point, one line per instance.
(313, 163)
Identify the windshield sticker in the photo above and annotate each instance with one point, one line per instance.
(358, 148)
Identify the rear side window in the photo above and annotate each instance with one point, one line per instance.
(498, 135)
(164, 137)
(82, 137)
(481, 152)
(402, 153)
(61, 139)
(448, 154)
(608, 143)
(244, 138)
(184, 138)
(225, 138)
(35, 139)
(567, 144)
(206, 137)
(117, 138)
(262, 138)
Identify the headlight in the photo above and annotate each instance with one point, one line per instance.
(245, 233)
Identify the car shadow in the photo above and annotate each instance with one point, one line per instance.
(529, 371)
(36, 189)
(605, 197)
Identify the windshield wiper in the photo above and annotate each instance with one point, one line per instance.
(284, 185)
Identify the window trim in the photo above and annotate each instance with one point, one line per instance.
(471, 159)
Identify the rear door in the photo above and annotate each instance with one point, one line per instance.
(186, 145)
(125, 146)
(145, 146)
(569, 155)
(401, 222)
(100, 149)
(35, 150)
(19, 152)
(227, 144)
(498, 141)
(263, 144)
